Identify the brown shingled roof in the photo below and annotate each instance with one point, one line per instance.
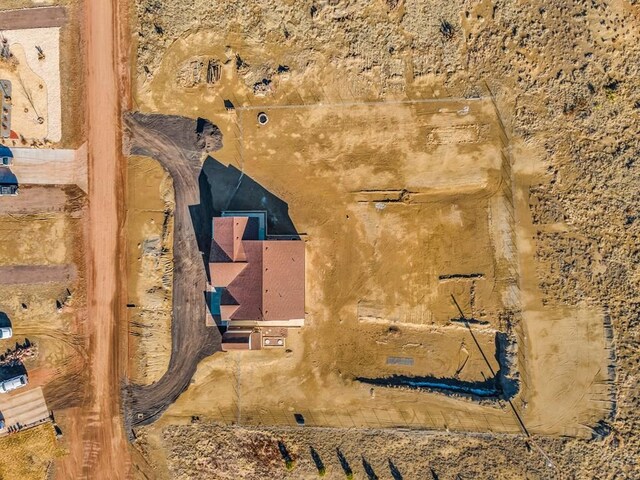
(263, 279)
(283, 279)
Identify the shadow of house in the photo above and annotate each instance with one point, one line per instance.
(226, 188)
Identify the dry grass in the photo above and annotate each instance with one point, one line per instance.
(29, 454)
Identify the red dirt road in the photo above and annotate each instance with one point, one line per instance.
(103, 451)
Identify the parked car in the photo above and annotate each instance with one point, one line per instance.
(5, 332)
(13, 383)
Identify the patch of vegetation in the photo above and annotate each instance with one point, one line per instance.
(28, 454)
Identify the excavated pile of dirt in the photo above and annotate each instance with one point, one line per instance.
(192, 136)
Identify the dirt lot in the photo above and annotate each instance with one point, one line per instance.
(150, 206)
(56, 31)
(345, 215)
(43, 300)
(558, 265)
(40, 199)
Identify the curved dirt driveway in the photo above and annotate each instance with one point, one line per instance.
(192, 340)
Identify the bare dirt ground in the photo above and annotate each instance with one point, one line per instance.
(150, 207)
(105, 450)
(191, 339)
(99, 449)
(42, 199)
(43, 300)
(564, 81)
(23, 274)
(341, 212)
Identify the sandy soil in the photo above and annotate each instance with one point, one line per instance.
(150, 205)
(561, 78)
(41, 199)
(54, 231)
(103, 451)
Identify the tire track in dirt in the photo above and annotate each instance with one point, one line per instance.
(192, 340)
(103, 450)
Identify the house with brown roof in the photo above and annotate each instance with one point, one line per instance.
(256, 282)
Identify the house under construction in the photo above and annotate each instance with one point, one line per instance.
(256, 282)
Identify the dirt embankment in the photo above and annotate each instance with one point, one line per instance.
(150, 211)
(173, 141)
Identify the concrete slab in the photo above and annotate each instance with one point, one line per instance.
(27, 408)
(50, 166)
(39, 17)
(32, 274)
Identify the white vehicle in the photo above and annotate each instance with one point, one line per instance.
(13, 383)
(5, 332)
